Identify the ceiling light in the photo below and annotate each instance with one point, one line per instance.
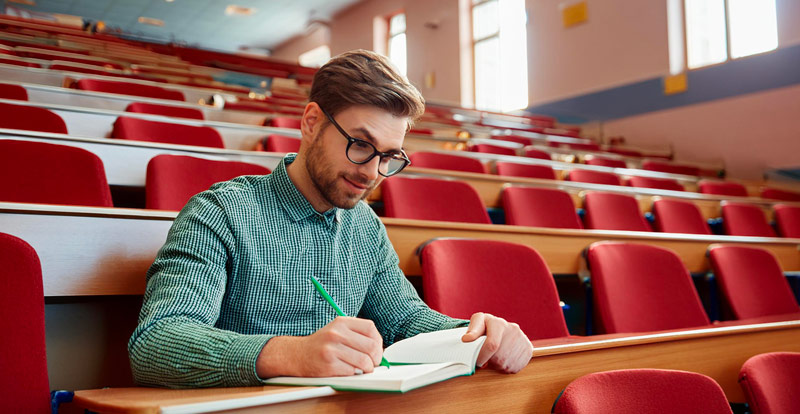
(239, 10)
(151, 21)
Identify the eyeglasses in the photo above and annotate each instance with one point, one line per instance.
(361, 152)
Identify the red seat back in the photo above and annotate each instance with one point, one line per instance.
(433, 199)
(30, 118)
(594, 177)
(540, 207)
(609, 211)
(788, 220)
(37, 172)
(770, 383)
(778, 194)
(728, 188)
(605, 162)
(13, 92)
(165, 110)
(640, 288)
(17, 62)
(659, 183)
(173, 179)
(132, 89)
(670, 168)
(446, 162)
(492, 149)
(534, 153)
(676, 216)
(513, 138)
(513, 169)
(464, 276)
(166, 132)
(752, 281)
(25, 385)
(745, 220)
(282, 143)
(285, 122)
(643, 391)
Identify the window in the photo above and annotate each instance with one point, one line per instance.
(396, 47)
(315, 57)
(718, 30)
(500, 55)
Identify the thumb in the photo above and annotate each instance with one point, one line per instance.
(476, 328)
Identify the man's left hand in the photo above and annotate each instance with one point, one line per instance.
(506, 349)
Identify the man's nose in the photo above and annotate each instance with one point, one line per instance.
(370, 169)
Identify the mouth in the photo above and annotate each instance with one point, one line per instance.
(357, 187)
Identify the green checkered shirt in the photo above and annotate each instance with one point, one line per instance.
(235, 271)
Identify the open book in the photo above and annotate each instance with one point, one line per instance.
(415, 362)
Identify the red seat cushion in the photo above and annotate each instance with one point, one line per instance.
(722, 188)
(285, 122)
(30, 118)
(126, 88)
(670, 168)
(778, 194)
(433, 199)
(676, 216)
(512, 169)
(166, 132)
(540, 207)
(13, 92)
(282, 143)
(770, 383)
(745, 220)
(610, 211)
(446, 162)
(166, 110)
(605, 162)
(534, 153)
(659, 183)
(493, 149)
(788, 220)
(37, 172)
(594, 177)
(24, 382)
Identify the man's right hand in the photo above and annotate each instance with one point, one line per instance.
(340, 348)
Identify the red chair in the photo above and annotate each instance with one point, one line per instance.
(166, 132)
(13, 92)
(727, 188)
(464, 276)
(676, 216)
(25, 384)
(609, 211)
(659, 183)
(642, 288)
(787, 219)
(30, 118)
(752, 281)
(37, 172)
(16, 62)
(625, 152)
(446, 162)
(492, 149)
(284, 122)
(770, 383)
(513, 169)
(540, 207)
(642, 391)
(281, 143)
(433, 199)
(777, 194)
(513, 138)
(605, 162)
(165, 110)
(77, 67)
(670, 168)
(534, 153)
(131, 89)
(745, 220)
(173, 179)
(594, 177)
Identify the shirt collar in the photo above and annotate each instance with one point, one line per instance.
(292, 201)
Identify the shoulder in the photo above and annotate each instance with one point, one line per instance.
(232, 194)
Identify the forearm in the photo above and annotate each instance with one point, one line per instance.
(178, 352)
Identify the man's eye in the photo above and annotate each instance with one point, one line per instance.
(361, 144)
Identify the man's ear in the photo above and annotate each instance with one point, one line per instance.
(311, 122)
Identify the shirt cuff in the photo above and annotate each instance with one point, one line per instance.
(240, 360)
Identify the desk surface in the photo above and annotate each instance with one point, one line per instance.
(718, 352)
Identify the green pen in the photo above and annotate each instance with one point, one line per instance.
(329, 299)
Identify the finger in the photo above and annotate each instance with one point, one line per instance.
(476, 327)
(365, 327)
(359, 342)
(495, 328)
(355, 359)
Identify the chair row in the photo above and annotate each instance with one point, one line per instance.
(434, 199)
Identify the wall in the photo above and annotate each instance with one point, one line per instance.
(293, 48)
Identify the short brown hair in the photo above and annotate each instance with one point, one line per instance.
(361, 77)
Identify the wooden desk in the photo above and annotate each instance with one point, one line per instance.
(106, 251)
(718, 352)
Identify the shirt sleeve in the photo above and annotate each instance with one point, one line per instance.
(175, 343)
(393, 303)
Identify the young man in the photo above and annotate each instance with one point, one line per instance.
(229, 298)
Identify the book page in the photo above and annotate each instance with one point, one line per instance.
(434, 347)
(396, 378)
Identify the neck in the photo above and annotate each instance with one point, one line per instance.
(298, 174)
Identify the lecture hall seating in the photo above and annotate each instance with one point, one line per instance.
(512, 169)
(670, 168)
(37, 172)
(745, 220)
(25, 383)
(540, 207)
(166, 132)
(464, 276)
(678, 216)
(432, 199)
(642, 391)
(605, 162)
(284, 122)
(778, 194)
(535, 153)
(787, 220)
(17, 92)
(594, 177)
(770, 382)
(173, 179)
(127, 88)
(752, 281)
(280, 143)
(641, 288)
(727, 188)
(31, 118)
(446, 162)
(612, 211)
(165, 110)
(493, 149)
(658, 183)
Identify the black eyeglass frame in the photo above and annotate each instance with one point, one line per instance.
(383, 155)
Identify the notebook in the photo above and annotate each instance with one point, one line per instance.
(416, 362)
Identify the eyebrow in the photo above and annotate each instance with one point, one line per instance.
(372, 140)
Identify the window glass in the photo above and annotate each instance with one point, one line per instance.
(754, 27)
(706, 37)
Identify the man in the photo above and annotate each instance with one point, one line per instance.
(229, 298)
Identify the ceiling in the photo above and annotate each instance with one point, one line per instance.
(201, 23)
